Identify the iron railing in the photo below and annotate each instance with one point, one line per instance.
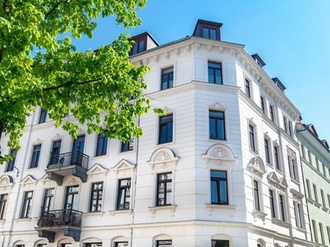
(68, 159)
(62, 217)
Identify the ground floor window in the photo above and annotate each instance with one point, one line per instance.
(93, 245)
(164, 243)
(220, 243)
(121, 244)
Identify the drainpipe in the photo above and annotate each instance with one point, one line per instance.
(135, 181)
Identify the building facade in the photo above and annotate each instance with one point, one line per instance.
(221, 168)
(315, 160)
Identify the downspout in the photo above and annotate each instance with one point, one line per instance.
(19, 178)
(135, 181)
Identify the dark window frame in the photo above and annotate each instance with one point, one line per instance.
(47, 203)
(256, 195)
(299, 215)
(167, 184)
(282, 207)
(272, 203)
(272, 113)
(11, 163)
(262, 104)
(220, 181)
(3, 204)
(252, 138)
(36, 152)
(213, 68)
(42, 116)
(94, 244)
(127, 146)
(124, 194)
(220, 243)
(101, 144)
(247, 88)
(218, 117)
(96, 198)
(165, 129)
(277, 158)
(166, 243)
(167, 78)
(267, 151)
(27, 202)
(56, 150)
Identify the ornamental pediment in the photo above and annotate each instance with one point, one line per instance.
(28, 181)
(123, 165)
(257, 166)
(220, 154)
(163, 158)
(272, 177)
(6, 182)
(97, 169)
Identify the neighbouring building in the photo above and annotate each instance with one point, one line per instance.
(220, 169)
(315, 160)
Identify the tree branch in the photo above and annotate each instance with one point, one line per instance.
(70, 83)
(53, 9)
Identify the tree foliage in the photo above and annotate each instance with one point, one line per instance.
(39, 65)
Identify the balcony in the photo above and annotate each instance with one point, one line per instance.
(66, 164)
(66, 220)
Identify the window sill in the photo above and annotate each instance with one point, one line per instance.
(165, 143)
(98, 213)
(100, 156)
(293, 180)
(325, 209)
(126, 151)
(170, 208)
(310, 200)
(254, 151)
(121, 211)
(300, 229)
(280, 222)
(258, 213)
(230, 208)
(317, 204)
(22, 219)
(217, 139)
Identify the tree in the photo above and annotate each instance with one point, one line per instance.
(39, 65)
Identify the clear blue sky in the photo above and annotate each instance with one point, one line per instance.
(291, 36)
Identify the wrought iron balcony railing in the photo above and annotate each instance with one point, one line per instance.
(68, 159)
(62, 217)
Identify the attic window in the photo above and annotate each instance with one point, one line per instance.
(138, 46)
(279, 84)
(208, 30)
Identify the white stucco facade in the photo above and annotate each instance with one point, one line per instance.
(189, 218)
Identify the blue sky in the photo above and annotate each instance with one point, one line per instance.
(291, 36)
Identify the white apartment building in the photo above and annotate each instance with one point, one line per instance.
(220, 169)
(315, 160)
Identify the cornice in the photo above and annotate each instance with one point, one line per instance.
(249, 102)
(205, 86)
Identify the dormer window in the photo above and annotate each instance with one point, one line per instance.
(142, 42)
(208, 30)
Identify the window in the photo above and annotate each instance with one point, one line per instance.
(293, 168)
(219, 187)
(124, 194)
(27, 202)
(215, 72)
(316, 239)
(267, 154)
(271, 113)
(55, 153)
(93, 245)
(20, 245)
(165, 129)
(96, 197)
(167, 78)
(71, 197)
(3, 203)
(316, 198)
(321, 233)
(220, 243)
(262, 104)
(209, 33)
(66, 245)
(247, 88)
(127, 146)
(163, 243)
(11, 163)
(290, 128)
(102, 144)
(285, 124)
(138, 46)
(277, 158)
(164, 189)
(328, 233)
(328, 200)
(43, 115)
(309, 189)
(324, 171)
(48, 200)
(272, 203)
(256, 195)
(78, 145)
(299, 215)
(35, 156)
(323, 199)
(252, 139)
(217, 125)
(121, 244)
(282, 208)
